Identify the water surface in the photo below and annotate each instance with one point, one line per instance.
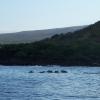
(16, 83)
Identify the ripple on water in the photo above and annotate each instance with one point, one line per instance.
(78, 84)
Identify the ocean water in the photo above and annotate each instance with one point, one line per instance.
(79, 83)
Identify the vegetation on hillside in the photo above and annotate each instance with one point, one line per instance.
(78, 48)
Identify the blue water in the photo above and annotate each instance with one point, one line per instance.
(16, 83)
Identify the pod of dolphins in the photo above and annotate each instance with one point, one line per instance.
(50, 71)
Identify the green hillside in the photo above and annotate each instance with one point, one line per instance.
(35, 35)
(78, 48)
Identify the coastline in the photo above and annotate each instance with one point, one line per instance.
(50, 65)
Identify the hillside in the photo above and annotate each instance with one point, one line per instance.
(74, 48)
(32, 36)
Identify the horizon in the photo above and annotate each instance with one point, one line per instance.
(40, 29)
(34, 15)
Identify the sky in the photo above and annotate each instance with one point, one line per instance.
(23, 15)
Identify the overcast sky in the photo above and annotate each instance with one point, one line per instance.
(18, 15)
